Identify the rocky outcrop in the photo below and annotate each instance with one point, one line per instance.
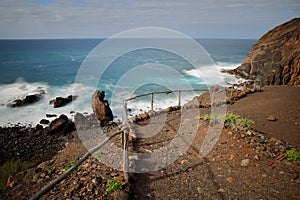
(101, 107)
(29, 99)
(44, 121)
(51, 115)
(61, 101)
(61, 125)
(275, 58)
(218, 95)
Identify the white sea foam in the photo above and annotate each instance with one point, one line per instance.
(32, 114)
(212, 74)
(141, 105)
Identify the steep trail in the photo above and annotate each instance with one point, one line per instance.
(219, 175)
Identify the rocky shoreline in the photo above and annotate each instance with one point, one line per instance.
(43, 144)
(36, 144)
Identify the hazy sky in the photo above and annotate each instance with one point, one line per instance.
(103, 18)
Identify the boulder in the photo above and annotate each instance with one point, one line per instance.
(44, 121)
(61, 125)
(61, 101)
(218, 95)
(51, 115)
(101, 107)
(29, 99)
(275, 58)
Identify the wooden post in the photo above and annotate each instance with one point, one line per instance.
(179, 98)
(152, 99)
(231, 98)
(125, 141)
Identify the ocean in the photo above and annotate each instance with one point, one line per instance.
(61, 68)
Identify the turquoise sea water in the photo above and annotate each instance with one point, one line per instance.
(54, 65)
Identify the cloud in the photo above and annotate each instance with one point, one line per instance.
(101, 18)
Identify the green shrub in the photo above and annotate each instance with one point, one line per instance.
(244, 123)
(113, 185)
(10, 168)
(206, 117)
(231, 120)
(212, 117)
(293, 155)
(48, 169)
(71, 164)
(97, 154)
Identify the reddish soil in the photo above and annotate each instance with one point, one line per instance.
(282, 102)
(219, 175)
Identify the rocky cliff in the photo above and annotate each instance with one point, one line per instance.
(275, 58)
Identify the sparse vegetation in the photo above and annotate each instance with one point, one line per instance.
(78, 169)
(114, 185)
(293, 155)
(236, 121)
(71, 164)
(48, 169)
(97, 154)
(10, 168)
(230, 120)
(210, 117)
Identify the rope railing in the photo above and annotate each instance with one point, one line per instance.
(165, 92)
(125, 135)
(51, 185)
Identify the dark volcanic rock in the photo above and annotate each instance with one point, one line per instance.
(275, 58)
(61, 125)
(51, 115)
(32, 144)
(61, 101)
(218, 95)
(29, 99)
(101, 107)
(44, 121)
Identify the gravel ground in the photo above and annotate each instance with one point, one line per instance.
(242, 164)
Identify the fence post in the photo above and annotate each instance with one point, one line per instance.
(179, 97)
(125, 141)
(152, 99)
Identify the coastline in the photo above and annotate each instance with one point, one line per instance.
(70, 141)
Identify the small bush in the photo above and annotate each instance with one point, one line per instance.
(10, 168)
(293, 155)
(214, 118)
(97, 154)
(71, 164)
(206, 117)
(113, 185)
(231, 120)
(48, 169)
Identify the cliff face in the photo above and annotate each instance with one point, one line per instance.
(275, 58)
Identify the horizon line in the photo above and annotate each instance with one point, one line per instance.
(94, 38)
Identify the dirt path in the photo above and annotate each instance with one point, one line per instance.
(219, 175)
(283, 102)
